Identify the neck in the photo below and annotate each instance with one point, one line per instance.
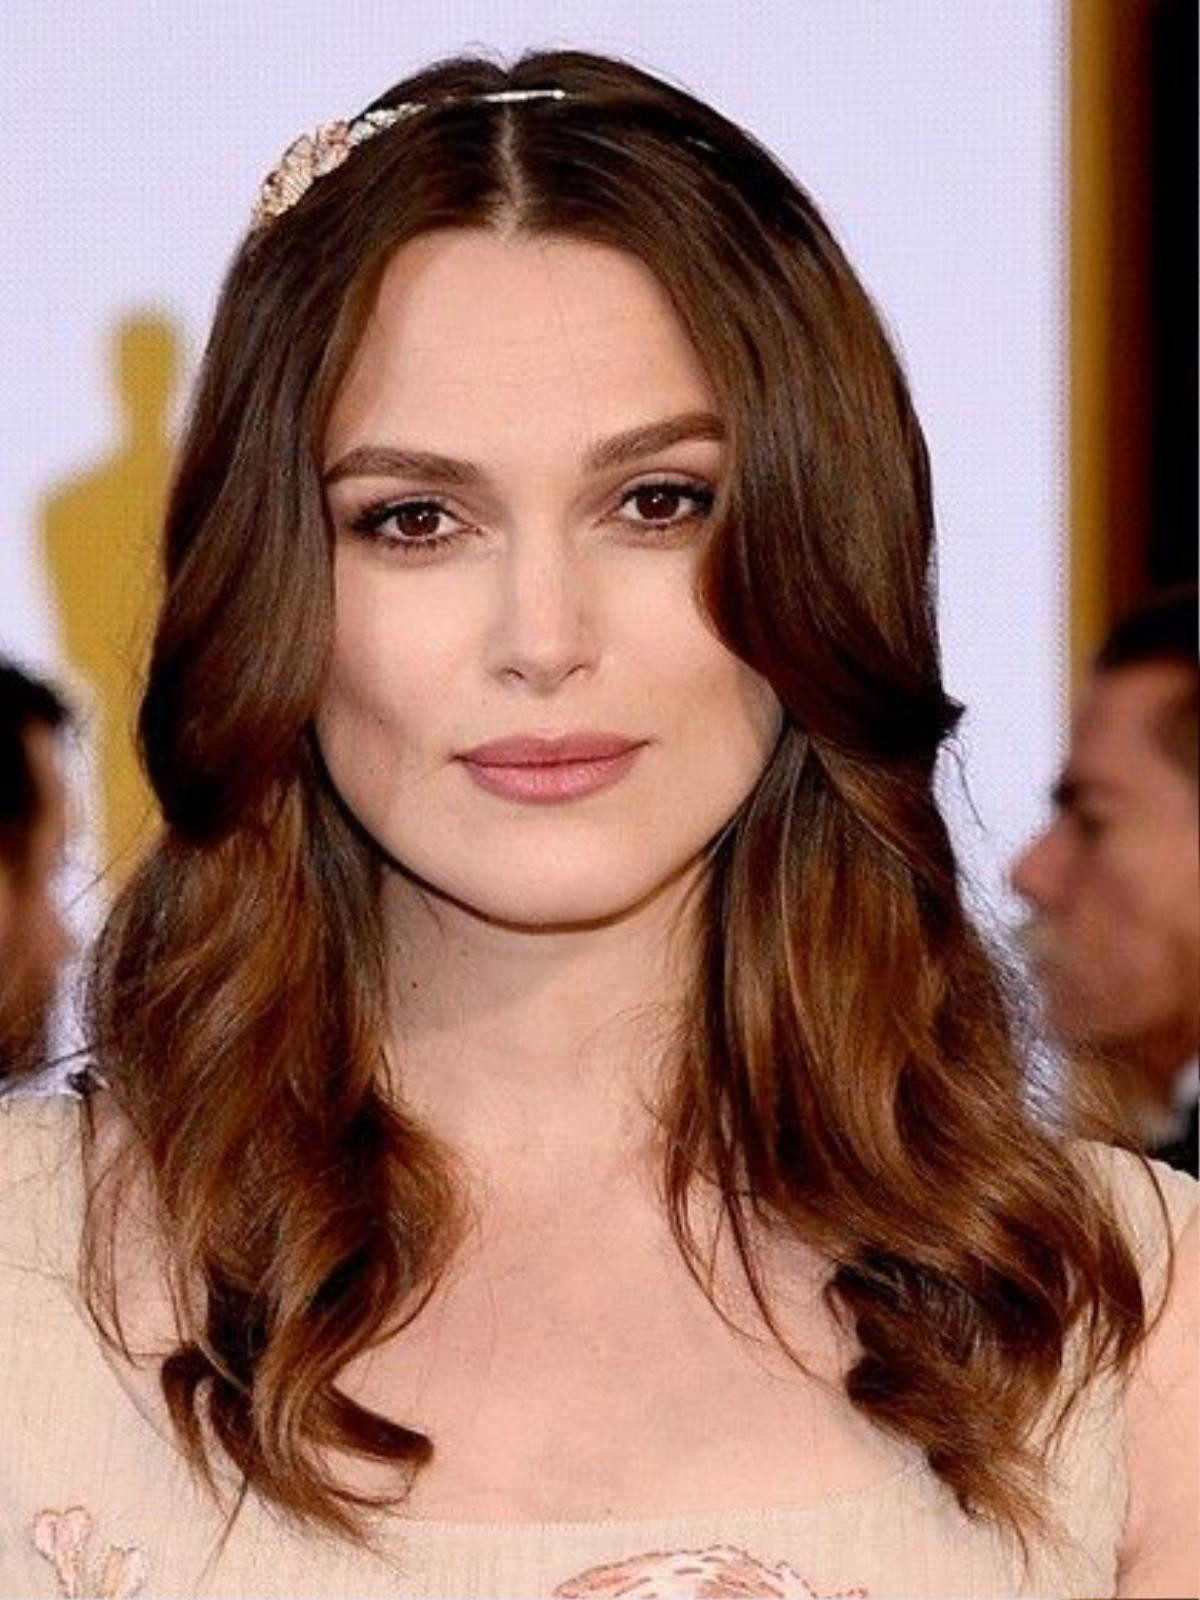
(536, 1054)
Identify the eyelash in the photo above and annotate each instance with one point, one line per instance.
(370, 522)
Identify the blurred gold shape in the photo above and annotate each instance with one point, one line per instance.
(100, 533)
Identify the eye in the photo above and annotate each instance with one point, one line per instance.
(664, 503)
(408, 524)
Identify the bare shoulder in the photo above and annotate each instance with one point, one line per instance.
(1153, 1203)
(1157, 1209)
(1161, 1547)
(41, 1178)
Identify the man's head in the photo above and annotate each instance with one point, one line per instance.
(33, 940)
(1114, 883)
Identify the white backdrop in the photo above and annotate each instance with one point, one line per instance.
(930, 131)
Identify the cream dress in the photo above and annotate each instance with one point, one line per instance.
(96, 1501)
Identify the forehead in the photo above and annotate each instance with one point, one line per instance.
(483, 331)
(1115, 737)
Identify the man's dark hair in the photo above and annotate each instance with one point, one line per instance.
(1163, 631)
(25, 703)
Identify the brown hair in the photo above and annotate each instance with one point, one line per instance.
(26, 703)
(28, 708)
(1163, 631)
(847, 1069)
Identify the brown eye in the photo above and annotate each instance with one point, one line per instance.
(418, 520)
(413, 525)
(657, 504)
(665, 504)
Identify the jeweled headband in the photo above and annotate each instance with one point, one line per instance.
(311, 156)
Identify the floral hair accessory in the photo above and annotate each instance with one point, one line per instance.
(311, 156)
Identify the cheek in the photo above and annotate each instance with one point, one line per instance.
(48, 943)
(1156, 878)
(32, 956)
(1180, 876)
(391, 654)
(1137, 924)
(726, 717)
(388, 676)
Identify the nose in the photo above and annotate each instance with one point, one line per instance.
(544, 629)
(1035, 874)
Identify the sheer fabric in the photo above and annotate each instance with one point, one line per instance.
(96, 1501)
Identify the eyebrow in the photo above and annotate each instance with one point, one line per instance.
(388, 461)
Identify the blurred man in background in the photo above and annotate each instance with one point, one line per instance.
(1113, 885)
(33, 939)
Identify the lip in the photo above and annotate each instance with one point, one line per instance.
(547, 771)
(537, 750)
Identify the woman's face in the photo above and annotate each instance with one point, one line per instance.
(525, 707)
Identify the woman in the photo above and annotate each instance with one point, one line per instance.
(555, 1130)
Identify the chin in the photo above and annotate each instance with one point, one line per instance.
(550, 901)
(557, 909)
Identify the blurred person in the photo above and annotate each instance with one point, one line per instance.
(33, 939)
(555, 1130)
(1113, 884)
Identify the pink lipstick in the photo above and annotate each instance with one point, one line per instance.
(546, 771)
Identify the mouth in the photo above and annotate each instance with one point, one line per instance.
(548, 771)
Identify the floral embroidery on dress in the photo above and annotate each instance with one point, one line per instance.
(721, 1572)
(63, 1538)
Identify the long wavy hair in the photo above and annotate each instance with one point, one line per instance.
(847, 1068)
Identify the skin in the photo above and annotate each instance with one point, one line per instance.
(538, 955)
(537, 951)
(1113, 888)
(1113, 885)
(567, 1365)
(34, 941)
